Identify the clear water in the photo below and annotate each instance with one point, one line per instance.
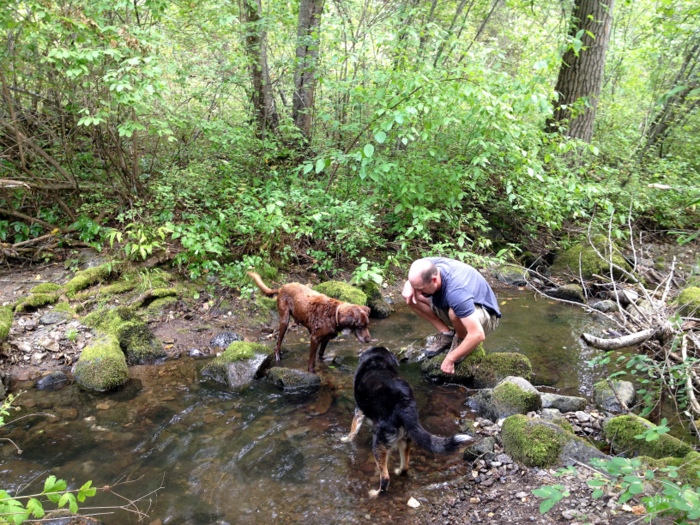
(258, 457)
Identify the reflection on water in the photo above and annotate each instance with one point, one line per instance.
(258, 457)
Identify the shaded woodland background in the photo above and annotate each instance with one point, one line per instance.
(343, 132)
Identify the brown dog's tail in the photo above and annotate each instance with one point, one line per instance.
(263, 287)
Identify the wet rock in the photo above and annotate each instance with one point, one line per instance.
(479, 449)
(609, 395)
(196, 353)
(563, 403)
(480, 370)
(568, 292)
(510, 274)
(102, 365)
(605, 306)
(379, 307)
(224, 339)
(239, 365)
(54, 317)
(294, 382)
(52, 382)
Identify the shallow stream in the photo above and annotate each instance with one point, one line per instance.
(258, 457)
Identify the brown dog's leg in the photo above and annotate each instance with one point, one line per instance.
(381, 456)
(357, 420)
(284, 323)
(315, 341)
(322, 348)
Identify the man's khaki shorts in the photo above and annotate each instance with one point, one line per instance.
(488, 321)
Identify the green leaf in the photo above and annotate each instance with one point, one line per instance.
(380, 137)
(308, 167)
(368, 150)
(320, 165)
(35, 508)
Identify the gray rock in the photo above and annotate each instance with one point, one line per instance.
(295, 382)
(54, 317)
(604, 306)
(242, 373)
(609, 400)
(52, 382)
(568, 292)
(513, 395)
(510, 274)
(563, 403)
(578, 451)
(224, 339)
(479, 449)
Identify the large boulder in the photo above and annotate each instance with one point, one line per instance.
(513, 395)
(582, 260)
(135, 337)
(378, 306)
(609, 394)
(479, 370)
(238, 365)
(543, 444)
(102, 365)
(621, 432)
(689, 302)
(5, 321)
(343, 292)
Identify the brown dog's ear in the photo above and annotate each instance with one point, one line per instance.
(366, 310)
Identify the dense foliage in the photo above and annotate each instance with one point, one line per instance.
(132, 123)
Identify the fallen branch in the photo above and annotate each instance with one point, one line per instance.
(620, 342)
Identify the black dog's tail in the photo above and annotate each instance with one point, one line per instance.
(428, 441)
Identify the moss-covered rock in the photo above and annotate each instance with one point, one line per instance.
(496, 366)
(239, 364)
(689, 302)
(35, 300)
(464, 371)
(620, 432)
(5, 321)
(45, 288)
(582, 260)
(102, 365)
(343, 292)
(90, 276)
(534, 443)
(135, 338)
(513, 395)
(157, 306)
(378, 306)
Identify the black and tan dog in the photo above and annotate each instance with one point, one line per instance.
(322, 316)
(387, 400)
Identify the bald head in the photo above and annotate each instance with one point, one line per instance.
(421, 272)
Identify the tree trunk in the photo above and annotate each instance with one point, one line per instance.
(581, 73)
(306, 56)
(256, 46)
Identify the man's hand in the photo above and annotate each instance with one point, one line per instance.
(448, 365)
(408, 293)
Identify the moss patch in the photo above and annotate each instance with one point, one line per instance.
(516, 399)
(236, 351)
(689, 301)
(102, 366)
(85, 278)
(45, 288)
(36, 300)
(464, 371)
(621, 431)
(533, 443)
(343, 292)
(63, 307)
(590, 262)
(688, 466)
(498, 365)
(5, 321)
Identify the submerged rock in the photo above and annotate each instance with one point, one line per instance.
(295, 382)
(52, 382)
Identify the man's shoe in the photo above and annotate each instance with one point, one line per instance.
(437, 344)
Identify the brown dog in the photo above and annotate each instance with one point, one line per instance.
(322, 316)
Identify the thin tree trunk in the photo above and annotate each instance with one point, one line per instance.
(581, 74)
(307, 56)
(256, 45)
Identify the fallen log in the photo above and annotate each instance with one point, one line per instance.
(619, 342)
